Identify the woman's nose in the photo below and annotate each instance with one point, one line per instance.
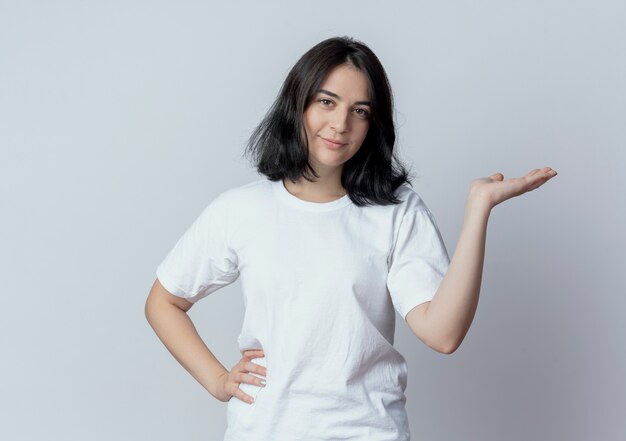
(340, 122)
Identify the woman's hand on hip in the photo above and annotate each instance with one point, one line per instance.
(228, 383)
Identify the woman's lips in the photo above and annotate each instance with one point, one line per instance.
(333, 144)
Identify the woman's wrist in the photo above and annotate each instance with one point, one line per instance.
(478, 203)
(216, 386)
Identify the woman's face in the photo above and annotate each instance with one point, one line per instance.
(337, 119)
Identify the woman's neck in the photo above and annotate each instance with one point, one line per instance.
(322, 190)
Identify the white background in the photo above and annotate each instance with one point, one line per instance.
(121, 120)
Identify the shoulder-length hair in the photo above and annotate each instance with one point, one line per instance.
(279, 148)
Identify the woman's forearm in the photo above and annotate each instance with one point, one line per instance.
(447, 318)
(179, 335)
(450, 313)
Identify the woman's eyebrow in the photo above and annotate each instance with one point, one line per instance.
(334, 95)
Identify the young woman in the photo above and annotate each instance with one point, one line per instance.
(329, 245)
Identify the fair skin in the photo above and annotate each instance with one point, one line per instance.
(167, 314)
(337, 113)
(443, 322)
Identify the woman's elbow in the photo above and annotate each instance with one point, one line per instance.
(446, 348)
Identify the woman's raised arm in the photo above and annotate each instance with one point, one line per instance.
(443, 322)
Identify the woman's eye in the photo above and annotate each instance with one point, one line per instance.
(362, 112)
(325, 102)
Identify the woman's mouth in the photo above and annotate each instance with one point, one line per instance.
(333, 144)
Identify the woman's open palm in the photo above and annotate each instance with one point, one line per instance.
(495, 189)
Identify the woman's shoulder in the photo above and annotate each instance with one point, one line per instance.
(410, 199)
(247, 189)
(243, 195)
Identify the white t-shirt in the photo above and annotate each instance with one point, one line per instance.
(320, 283)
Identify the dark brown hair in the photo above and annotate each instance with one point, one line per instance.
(279, 150)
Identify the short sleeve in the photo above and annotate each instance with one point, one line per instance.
(201, 262)
(418, 261)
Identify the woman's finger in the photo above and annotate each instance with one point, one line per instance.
(540, 178)
(241, 395)
(542, 171)
(253, 353)
(252, 379)
(241, 377)
(256, 368)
